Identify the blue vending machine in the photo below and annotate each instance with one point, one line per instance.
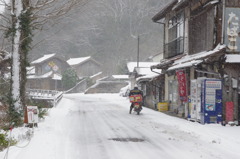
(211, 101)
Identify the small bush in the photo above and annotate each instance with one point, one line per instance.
(42, 113)
(4, 141)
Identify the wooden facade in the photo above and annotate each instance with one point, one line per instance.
(201, 31)
(87, 68)
(55, 64)
(233, 3)
(152, 90)
(44, 83)
(45, 72)
(204, 30)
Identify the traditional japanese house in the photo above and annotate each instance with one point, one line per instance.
(199, 35)
(85, 66)
(47, 73)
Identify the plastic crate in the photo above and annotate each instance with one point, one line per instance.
(162, 107)
(135, 98)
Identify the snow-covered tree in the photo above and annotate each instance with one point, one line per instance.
(19, 20)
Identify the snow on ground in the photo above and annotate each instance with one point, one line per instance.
(98, 126)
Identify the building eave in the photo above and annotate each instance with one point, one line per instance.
(160, 15)
(165, 63)
(174, 5)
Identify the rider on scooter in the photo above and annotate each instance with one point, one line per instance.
(134, 91)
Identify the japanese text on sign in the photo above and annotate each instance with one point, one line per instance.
(182, 87)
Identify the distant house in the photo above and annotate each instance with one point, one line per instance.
(135, 71)
(85, 66)
(147, 80)
(46, 73)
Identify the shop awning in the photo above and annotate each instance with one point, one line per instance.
(146, 71)
(184, 65)
(166, 62)
(201, 55)
(133, 65)
(147, 78)
(189, 60)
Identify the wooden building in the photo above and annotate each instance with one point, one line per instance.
(85, 66)
(198, 37)
(141, 75)
(47, 73)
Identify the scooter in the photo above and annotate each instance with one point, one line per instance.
(137, 107)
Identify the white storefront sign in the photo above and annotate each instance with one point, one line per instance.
(32, 114)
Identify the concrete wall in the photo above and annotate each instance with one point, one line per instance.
(106, 87)
(79, 88)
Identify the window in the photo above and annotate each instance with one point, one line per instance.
(174, 46)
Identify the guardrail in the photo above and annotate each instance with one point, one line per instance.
(50, 95)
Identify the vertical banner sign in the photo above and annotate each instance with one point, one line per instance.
(229, 111)
(182, 85)
(232, 29)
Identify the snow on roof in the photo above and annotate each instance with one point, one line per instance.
(186, 64)
(45, 57)
(120, 76)
(132, 65)
(145, 71)
(195, 59)
(199, 55)
(46, 75)
(30, 70)
(57, 77)
(232, 58)
(211, 2)
(147, 77)
(75, 61)
(99, 73)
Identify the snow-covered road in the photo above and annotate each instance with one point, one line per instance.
(98, 126)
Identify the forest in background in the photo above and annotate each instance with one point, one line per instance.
(107, 30)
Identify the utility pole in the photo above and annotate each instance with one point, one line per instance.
(138, 39)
